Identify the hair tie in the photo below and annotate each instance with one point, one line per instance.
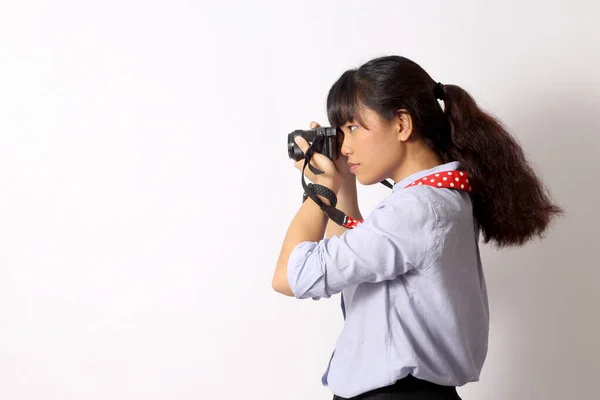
(438, 91)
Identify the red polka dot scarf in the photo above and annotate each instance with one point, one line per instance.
(448, 179)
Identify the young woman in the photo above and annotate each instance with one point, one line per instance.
(413, 291)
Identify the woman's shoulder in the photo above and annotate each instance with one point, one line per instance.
(404, 210)
(447, 205)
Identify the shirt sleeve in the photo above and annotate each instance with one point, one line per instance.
(396, 237)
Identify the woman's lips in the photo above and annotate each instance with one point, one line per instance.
(353, 167)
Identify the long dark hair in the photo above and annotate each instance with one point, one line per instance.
(510, 203)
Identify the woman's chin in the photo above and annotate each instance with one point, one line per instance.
(366, 181)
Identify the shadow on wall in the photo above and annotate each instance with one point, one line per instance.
(544, 297)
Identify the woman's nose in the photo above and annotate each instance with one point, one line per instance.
(345, 149)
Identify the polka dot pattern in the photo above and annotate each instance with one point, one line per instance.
(449, 179)
(351, 222)
(438, 180)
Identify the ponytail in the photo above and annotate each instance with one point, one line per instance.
(510, 203)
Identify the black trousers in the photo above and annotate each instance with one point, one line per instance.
(409, 388)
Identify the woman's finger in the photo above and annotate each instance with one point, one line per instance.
(302, 143)
(314, 125)
(299, 165)
(307, 172)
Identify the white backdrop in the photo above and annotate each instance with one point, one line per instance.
(145, 189)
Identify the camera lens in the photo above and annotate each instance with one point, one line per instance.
(294, 151)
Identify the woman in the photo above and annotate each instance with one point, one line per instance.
(413, 290)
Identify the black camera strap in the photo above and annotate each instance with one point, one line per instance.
(311, 190)
(314, 190)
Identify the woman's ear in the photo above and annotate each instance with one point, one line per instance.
(404, 125)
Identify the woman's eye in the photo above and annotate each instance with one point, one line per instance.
(352, 127)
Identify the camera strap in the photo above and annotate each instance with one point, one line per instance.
(313, 190)
(458, 180)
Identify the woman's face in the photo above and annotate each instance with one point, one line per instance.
(378, 151)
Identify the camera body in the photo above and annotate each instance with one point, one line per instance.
(329, 145)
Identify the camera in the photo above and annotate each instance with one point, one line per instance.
(329, 145)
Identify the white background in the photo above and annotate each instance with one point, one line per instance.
(145, 189)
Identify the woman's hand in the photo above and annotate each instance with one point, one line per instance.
(334, 174)
(341, 164)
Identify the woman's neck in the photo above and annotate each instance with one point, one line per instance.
(418, 159)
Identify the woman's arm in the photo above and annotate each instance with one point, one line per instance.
(307, 226)
(310, 222)
(348, 203)
(398, 236)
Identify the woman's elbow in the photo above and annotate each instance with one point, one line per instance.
(281, 285)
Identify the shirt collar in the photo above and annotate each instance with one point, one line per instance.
(451, 166)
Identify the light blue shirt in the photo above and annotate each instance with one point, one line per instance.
(413, 289)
